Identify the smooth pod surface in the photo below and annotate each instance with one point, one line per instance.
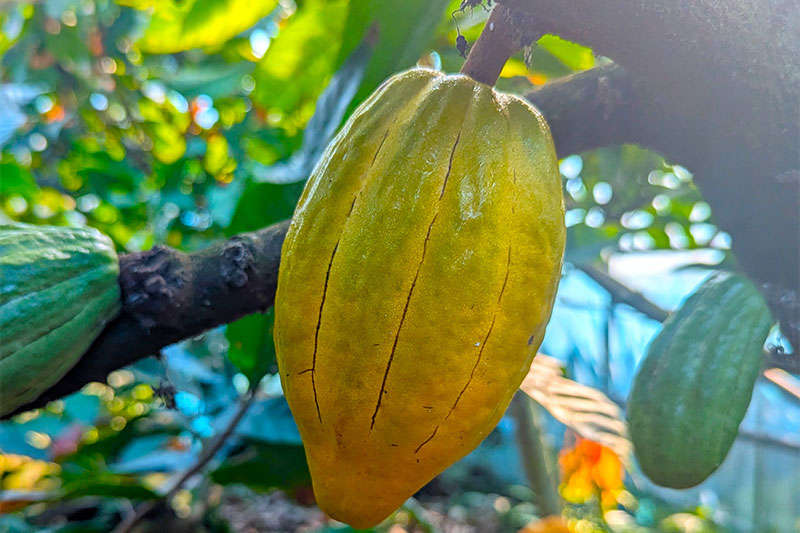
(693, 388)
(58, 288)
(416, 280)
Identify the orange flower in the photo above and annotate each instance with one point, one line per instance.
(590, 469)
(55, 114)
(548, 524)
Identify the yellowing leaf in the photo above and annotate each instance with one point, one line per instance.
(178, 25)
(216, 154)
(169, 144)
(301, 59)
(585, 410)
(514, 67)
(21, 473)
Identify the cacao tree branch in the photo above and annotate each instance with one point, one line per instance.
(169, 296)
(588, 110)
(775, 358)
(714, 86)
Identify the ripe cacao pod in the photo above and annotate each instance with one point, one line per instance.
(692, 390)
(58, 287)
(416, 280)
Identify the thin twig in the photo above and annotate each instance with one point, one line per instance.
(208, 454)
(625, 295)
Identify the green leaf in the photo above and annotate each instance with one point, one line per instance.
(251, 347)
(404, 33)
(16, 180)
(169, 144)
(328, 113)
(266, 467)
(176, 26)
(660, 237)
(109, 487)
(585, 243)
(270, 421)
(215, 79)
(573, 55)
(262, 204)
(301, 59)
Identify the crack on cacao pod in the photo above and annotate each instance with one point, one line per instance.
(375, 157)
(480, 353)
(237, 260)
(313, 368)
(402, 320)
(316, 333)
(152, 285)
(427, 440)
(413, 284)
(505, 280)
(450, 165)
(474, 367)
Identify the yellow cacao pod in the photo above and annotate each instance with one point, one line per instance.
(416, 280)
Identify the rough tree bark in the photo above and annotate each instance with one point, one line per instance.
(169, 295)
(711, 84)
(716, 88)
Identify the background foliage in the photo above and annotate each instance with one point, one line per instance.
(181, 122)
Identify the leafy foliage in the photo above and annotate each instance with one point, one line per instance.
(174, 122)
(180, 26)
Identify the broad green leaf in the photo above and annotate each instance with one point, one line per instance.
(215, 79)
(301, 58)
(403, 34)
(270, 421)
(266, 467)
(328, 113)
(176, 26)
(262, 204)
(586, 243)
(573, 55)
(110, 486)
(251, 347)
(16, 180)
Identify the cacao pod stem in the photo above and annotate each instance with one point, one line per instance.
(505, 33)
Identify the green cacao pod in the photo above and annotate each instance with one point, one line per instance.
(693, 387)
(416, 280)
(58, 287)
